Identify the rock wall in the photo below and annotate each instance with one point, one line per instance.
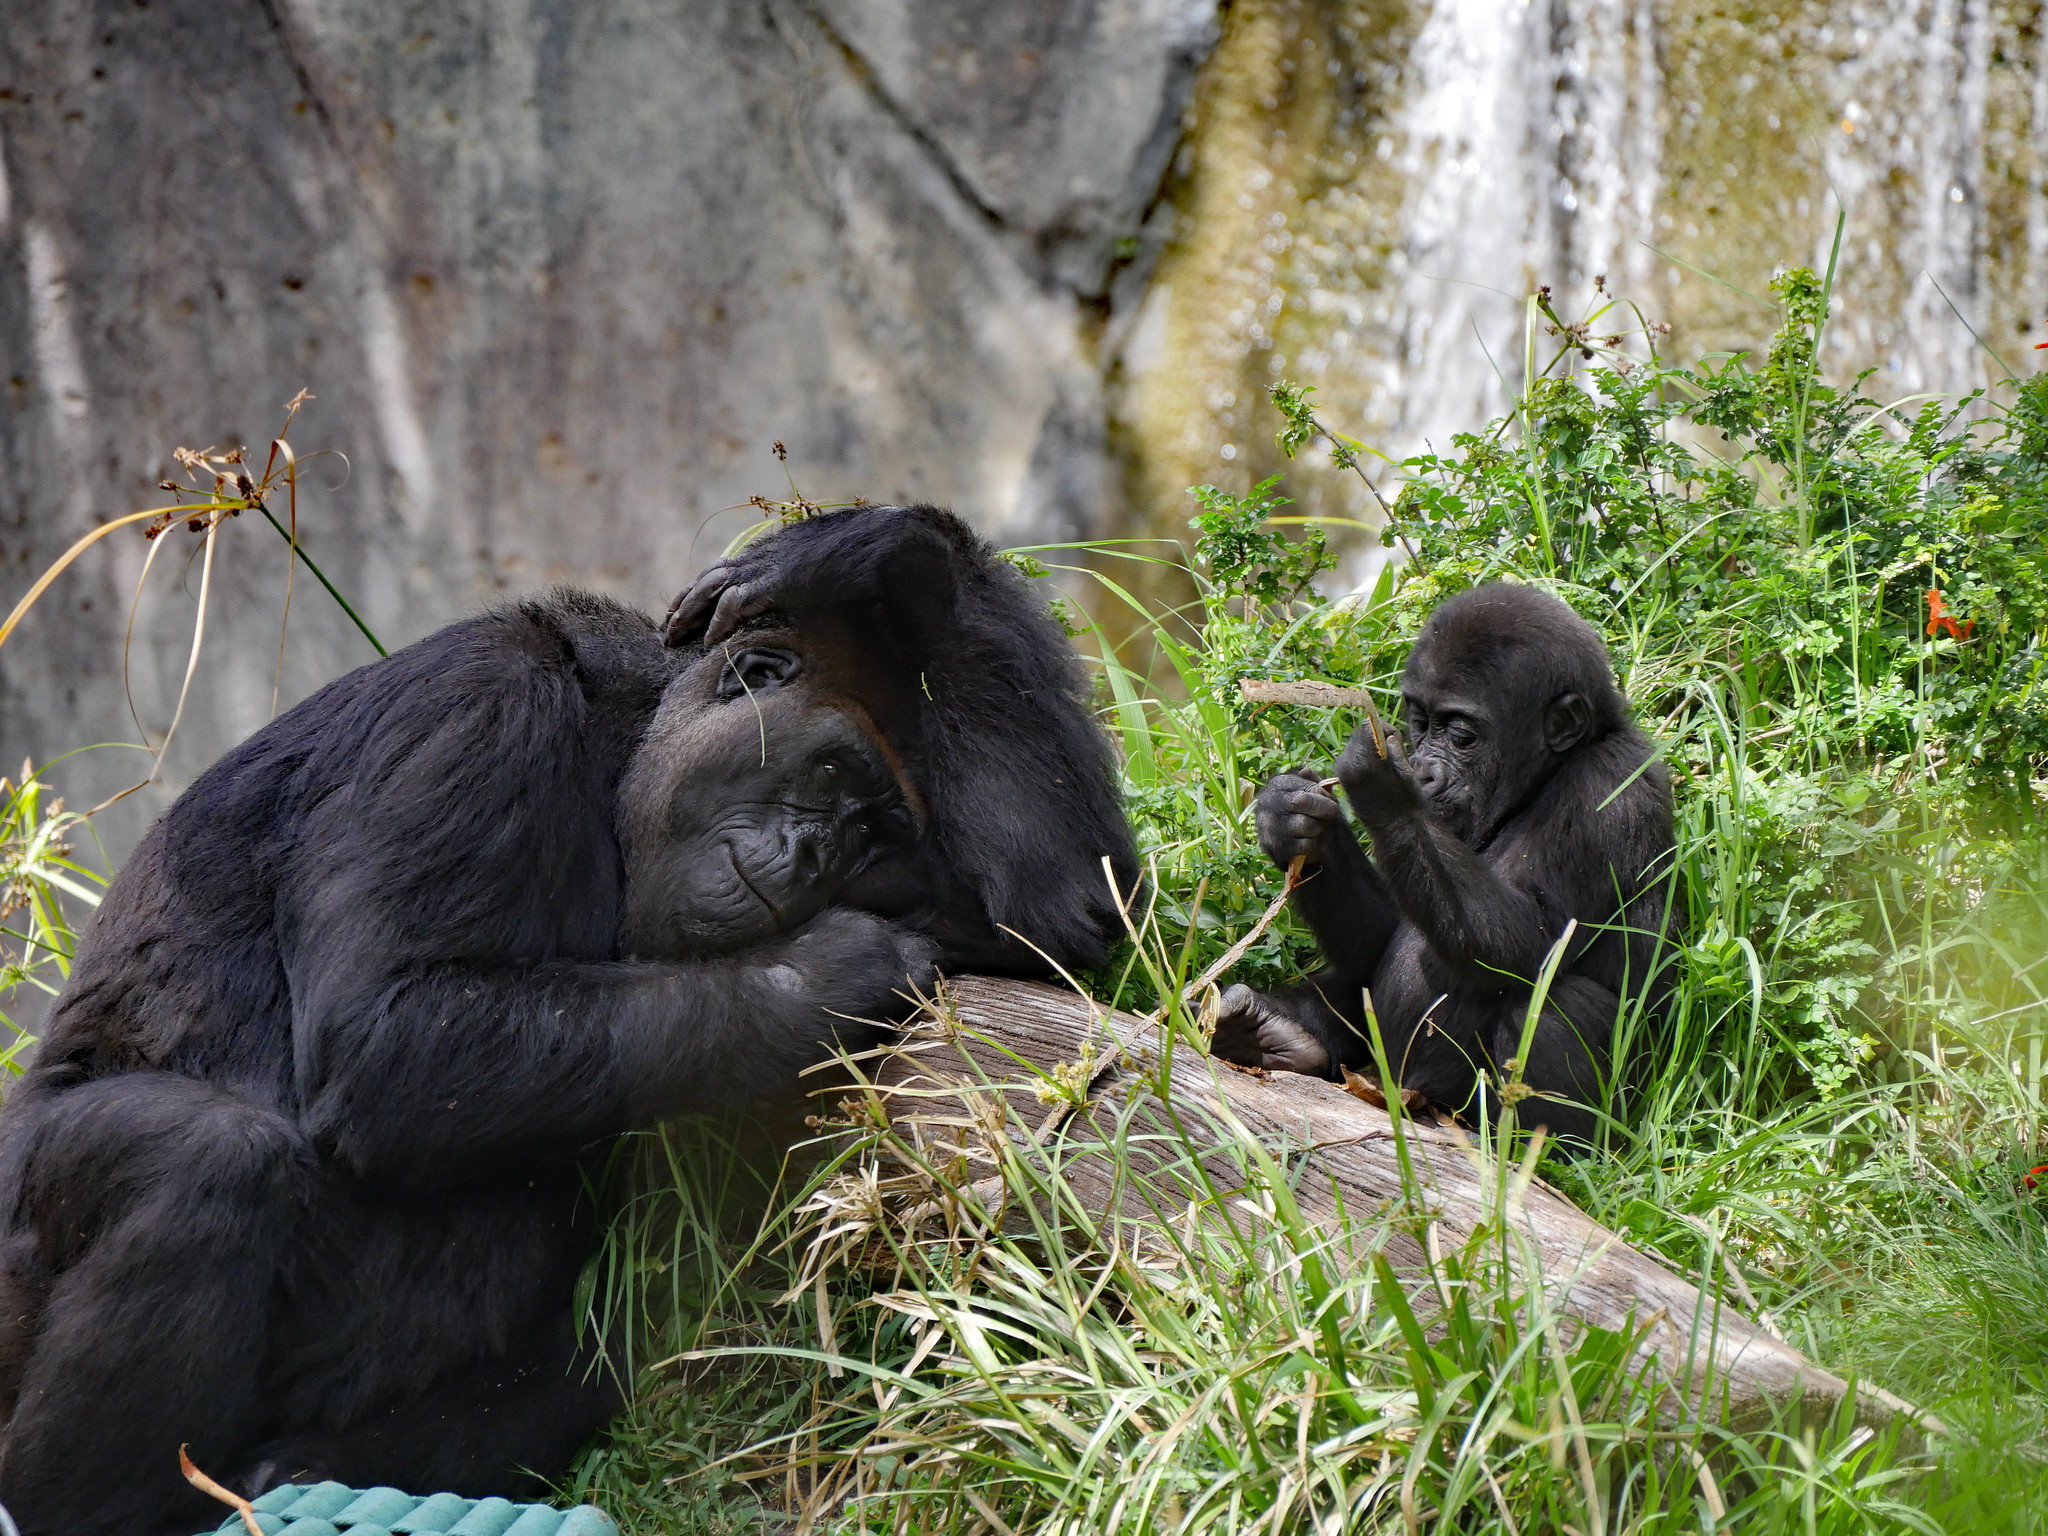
(558, 273)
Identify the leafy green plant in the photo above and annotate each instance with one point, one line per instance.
(44, 894)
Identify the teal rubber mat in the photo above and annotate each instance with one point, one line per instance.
(328, 1509)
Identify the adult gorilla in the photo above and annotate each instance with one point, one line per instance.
(1526, 799)
(296, 1174)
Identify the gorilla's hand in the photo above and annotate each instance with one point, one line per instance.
(1296, 818)
(1380, 787)
(715, 603)
(1253, 1032)
(917, 563)
(854, 966)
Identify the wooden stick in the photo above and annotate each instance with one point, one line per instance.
(1266, 690)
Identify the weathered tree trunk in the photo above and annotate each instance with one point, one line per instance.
(1347, 1151)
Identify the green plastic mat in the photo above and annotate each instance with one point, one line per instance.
(326, 1509)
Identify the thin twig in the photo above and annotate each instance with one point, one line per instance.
(300, 550)
(1237, 951)
(207, 1485)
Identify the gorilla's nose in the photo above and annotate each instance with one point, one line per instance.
(808, 857)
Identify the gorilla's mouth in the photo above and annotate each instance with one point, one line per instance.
(1453, 812)
(740, 874)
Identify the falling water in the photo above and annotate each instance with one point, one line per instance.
(1532, 157)
(1412, 181)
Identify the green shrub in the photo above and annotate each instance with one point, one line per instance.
(1830, 611)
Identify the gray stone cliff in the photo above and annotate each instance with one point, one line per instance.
(558, 274)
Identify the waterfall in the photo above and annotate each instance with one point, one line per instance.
(1477, 210)
(1385, 235)
(1906, 161)
(1531, 153)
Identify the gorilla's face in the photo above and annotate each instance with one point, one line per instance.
(1454, 756)
(756, 795)
(1479, 747)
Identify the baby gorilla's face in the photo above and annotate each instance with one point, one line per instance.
(751, 802)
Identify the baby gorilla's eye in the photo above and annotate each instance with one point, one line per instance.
(831, 769)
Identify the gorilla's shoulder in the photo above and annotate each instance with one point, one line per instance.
(560, 661)
(573, 611)
(558, 633)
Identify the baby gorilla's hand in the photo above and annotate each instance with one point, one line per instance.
(1253, 1032)
(1296, 817)
(855, 966)
(1378, 783)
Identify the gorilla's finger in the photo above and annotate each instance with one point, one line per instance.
(1312, 802)
(686, 615)
(735, 606)
(919, 957)
(1360, 753)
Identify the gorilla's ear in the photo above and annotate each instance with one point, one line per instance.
(1567, 722)
(756, 669)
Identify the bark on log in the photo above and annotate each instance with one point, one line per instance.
(1709, 1351)
(1258, 690)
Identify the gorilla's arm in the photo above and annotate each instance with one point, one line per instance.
(1493, 918)
(452, 1070)
(449, 920)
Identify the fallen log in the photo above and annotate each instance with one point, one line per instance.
(1030, 1044)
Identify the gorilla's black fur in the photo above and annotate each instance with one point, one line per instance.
(298, 1173)
(1527, 799)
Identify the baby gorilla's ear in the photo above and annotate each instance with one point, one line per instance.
(1567, 722)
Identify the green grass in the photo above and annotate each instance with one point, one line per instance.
(1830, 1126)
(1838, 1108)
(44, 893)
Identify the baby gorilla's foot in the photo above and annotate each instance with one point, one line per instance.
(1254, 1030)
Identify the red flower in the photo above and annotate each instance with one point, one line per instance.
(1939, 618)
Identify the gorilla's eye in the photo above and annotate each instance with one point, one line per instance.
(1460, 734)
(831, 768)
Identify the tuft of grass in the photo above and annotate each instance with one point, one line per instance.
(45, 894)
(1832, 613)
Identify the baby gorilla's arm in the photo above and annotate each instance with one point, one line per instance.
(1341, 897)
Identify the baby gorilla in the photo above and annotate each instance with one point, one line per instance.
(1526, 799)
